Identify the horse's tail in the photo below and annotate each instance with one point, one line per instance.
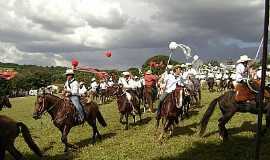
(207, 115)
(28, 138)
(100, 119)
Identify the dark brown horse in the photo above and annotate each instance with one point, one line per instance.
(63, 114)
(211, 83)
(4, 102)
(169, 111)
(229, 107)
(9, 131)
(124, 107)
(148, 98)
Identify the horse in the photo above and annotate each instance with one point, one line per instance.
(211, 83)
(4, 102)
(183, 101)
(148, 98)
(9, 131)
(222, 85)
(229, 107)
(124, 107)
(64, 114)
(170, 112)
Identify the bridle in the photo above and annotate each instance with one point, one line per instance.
(41, 110)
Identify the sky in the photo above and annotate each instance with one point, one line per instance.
(52, 32)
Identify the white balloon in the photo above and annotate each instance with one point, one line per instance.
(173, 45)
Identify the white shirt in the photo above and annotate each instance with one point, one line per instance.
(124, 82)
(170, 83)
(138, 84)
(240, 70)
(185, 75)
(110, 83)
(211, 75)
(132, 83)
(94, 86)
(259, 74)
(72, 87)
(103, 85)
(82, 90)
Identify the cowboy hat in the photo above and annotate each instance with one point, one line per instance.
(177, 66)
(170, 66)
(81, 83)
(125, 73)
(243, 58)
(149, 72)
(69, 72)
(183, 65)
(93, 79)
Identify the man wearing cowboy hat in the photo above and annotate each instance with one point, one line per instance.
(169, 87)
(242, 68)
(82, 89)
(72, 91)
(127, 87)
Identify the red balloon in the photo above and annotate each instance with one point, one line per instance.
(108, 53)
(75, 62)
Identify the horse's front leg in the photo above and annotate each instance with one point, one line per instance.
(64, 140)
(121, 118)
(126, 116)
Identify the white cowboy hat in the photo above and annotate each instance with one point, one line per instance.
(196, 57)
(149, 72)
(69, 71)
(93, 79)
(136, 77)
(125, 73)
(170, 66)
(81, 83)
(183, 65)
(243, 58)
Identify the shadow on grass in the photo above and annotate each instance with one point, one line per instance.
(237, 148)
(245, 127)
(191, 113)
(185, 130)
(142, 122)
(86, 142)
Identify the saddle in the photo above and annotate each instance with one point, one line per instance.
(247, 92)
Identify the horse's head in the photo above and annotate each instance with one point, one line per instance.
(40, 104)
(4, 101)
(118, 90)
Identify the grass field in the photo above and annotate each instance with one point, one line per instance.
(139, 142)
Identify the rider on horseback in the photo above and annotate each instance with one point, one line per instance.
(170, 86)
(72, 91)
(128, 86)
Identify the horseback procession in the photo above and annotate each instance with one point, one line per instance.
(168, 96)
(122, 79)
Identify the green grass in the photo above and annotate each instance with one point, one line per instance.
(139, 142)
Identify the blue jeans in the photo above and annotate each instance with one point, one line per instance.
(76, 101)
(161, 99)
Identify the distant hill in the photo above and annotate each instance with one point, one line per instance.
(158, 63)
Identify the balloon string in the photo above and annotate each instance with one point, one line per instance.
(258, 51)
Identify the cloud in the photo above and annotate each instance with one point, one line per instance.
(10, 54)
(133, 30)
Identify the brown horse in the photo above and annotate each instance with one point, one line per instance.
(211, 83)
(148, 98)
(63, 114)
(9, 131)
(169, 111)
(4, 102)
(229, 107)
(124, 107)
